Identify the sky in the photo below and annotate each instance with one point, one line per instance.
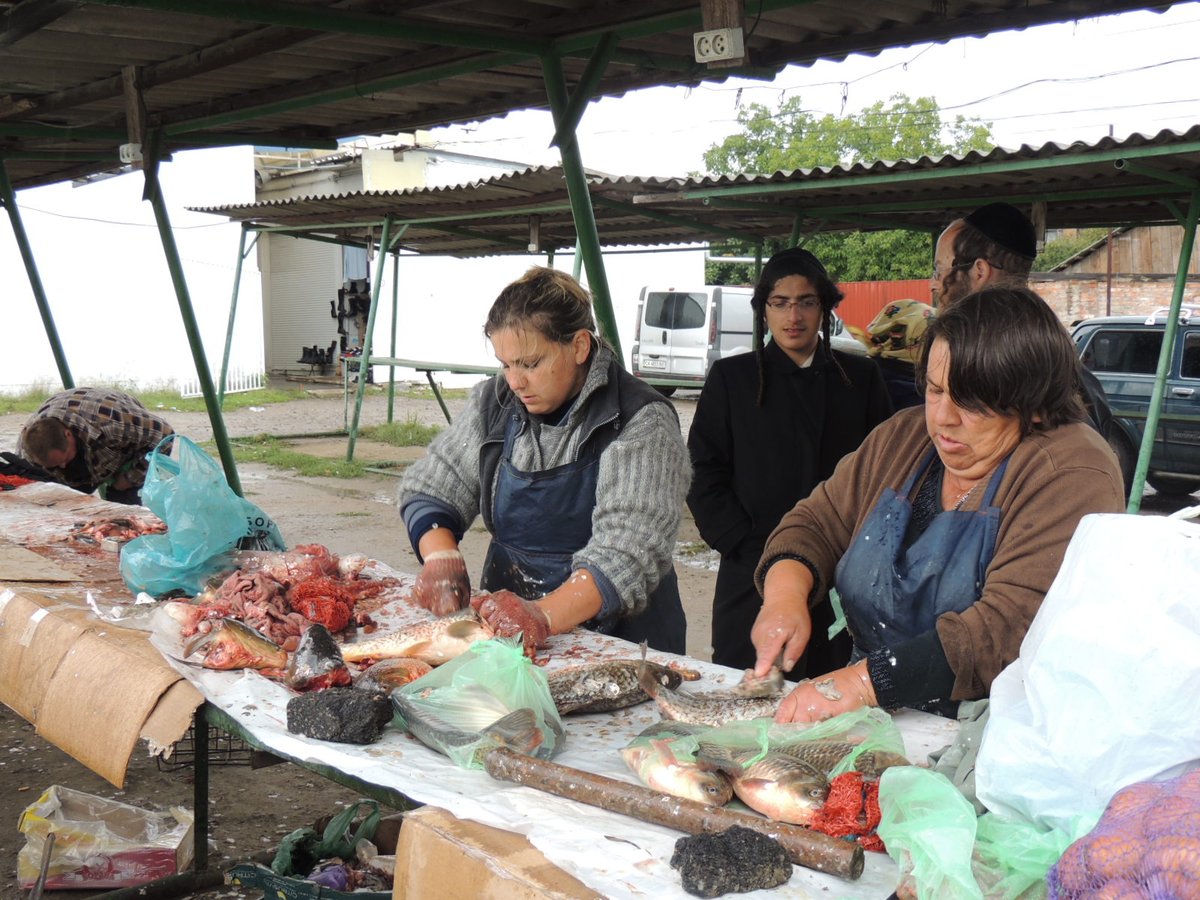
(103, 267)
(1137, 72)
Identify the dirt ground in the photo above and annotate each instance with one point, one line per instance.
(252, 808)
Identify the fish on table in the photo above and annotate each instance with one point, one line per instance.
(388, 674)
(436, 641)
(235, 645)
(714, 708)
(610, 684)
(652, 757)
(826, 755)
(317, 662)
(781, 787)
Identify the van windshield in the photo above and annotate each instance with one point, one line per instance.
(675, 310)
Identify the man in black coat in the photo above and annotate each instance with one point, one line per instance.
(770, 425)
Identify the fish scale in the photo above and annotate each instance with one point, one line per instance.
(707, 709)
(606, 686)
(436, 641)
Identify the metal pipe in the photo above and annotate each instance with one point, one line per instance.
(364, 360)
(237, 282)
(1164, 357)
(392, 347)
(9, 199)
(187, 313)
(584, 89)
(581, 208)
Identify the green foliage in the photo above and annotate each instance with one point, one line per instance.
(789, 137)
(155, 399)
(1065, 247)
(409, 433)
(264, 448)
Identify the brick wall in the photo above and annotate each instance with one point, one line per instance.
(1075, 298)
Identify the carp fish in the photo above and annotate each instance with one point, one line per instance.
(781, 787)
(651, 757)
(824, 755)
(435, 642)
(235, 645)
(749, 700)
(317, 662)
(388, 674)
(609, 684)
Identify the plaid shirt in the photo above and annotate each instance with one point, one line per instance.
(113, 431)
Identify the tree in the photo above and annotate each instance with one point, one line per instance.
(791, 137)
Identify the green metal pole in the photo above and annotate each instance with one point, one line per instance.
(9, 199)
(237, 283)
(392, 351)
(581, 205)
(153, 193)
(1164, 357)
(364, 361)
(577, 262)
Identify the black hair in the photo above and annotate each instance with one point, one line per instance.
(1009, 355)
(793, 261)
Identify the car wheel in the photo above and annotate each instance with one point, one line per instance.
(665, 391)
(1126, 457)
(1172, 487)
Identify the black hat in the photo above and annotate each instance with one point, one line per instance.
(1007, 226)
(792, 261)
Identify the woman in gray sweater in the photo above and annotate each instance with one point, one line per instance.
(579, 471)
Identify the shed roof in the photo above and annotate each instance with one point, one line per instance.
(1142, 180)
(305, 73)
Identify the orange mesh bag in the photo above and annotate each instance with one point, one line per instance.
(1146, 845)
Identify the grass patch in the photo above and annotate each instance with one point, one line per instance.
(351, 513)
(691, 548)
(264, 448)
(159, 398)
(409, 433)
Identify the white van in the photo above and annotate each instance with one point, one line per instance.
(682, 331)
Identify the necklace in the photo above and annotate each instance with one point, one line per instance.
(962, 498)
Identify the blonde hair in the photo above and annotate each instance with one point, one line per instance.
(547, 300)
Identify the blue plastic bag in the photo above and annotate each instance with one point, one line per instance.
(205, 520)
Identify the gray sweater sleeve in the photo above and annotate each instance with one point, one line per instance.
(644, 476)
(449, 470)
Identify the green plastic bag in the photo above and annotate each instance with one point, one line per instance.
(451, 708)
(929, 829)
(301, 850)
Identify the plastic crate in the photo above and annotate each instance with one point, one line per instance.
(223, 750)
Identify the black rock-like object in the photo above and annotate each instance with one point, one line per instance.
(340, 714)
(734, 861)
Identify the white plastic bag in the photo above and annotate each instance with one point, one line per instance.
(1104, 691)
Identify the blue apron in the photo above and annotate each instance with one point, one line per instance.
(890, 592)
(541, 519)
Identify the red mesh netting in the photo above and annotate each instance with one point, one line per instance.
(851, 810)
(324, 601)
(15, 480)
(1147, 844)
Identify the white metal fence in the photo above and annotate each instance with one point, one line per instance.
(236, 381)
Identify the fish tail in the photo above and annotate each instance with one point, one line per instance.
(518, 731)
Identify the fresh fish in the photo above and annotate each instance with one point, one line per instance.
(824, 755)
(435, 642)
(779, 786)
(669, 728)
(608, 685)
(770, 685)
(657, 766)
(388, 674)
(235, 645)
(479, 717)
(706, 708)
(317, 662)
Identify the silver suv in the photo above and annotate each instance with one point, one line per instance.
(1123, 353)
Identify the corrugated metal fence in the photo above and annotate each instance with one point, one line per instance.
(864, 299)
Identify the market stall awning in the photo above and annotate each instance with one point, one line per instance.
(82, 79)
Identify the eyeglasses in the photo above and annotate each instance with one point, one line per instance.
(804, 304)
(938, 276)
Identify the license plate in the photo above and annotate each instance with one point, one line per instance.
(654, 363)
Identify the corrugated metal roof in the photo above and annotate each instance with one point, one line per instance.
(1108, 183)
(305, 73)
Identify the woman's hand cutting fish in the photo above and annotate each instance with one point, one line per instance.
(443, 585)
(818, 699)
(509, 615)
(784, 623)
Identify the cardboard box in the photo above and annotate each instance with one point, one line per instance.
(100, 843)
(439, 856)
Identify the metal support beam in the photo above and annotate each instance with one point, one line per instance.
(9, 201)
(645, 212)
(153, 193)
(392, 346)
(581, 206)
(1165, 356)
(243, 251)
(588, 82)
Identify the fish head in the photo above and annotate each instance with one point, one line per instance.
(235, 645)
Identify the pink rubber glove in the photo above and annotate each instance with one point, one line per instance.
(443, 585)
(509, 615)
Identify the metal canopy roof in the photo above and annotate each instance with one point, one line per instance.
(1134, 181)
(305, 73)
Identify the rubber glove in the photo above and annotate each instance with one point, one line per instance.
(509, 615)
(826, 696)
(443, 585)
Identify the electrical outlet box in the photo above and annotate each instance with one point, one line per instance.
(131, 153)
(718, 44)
